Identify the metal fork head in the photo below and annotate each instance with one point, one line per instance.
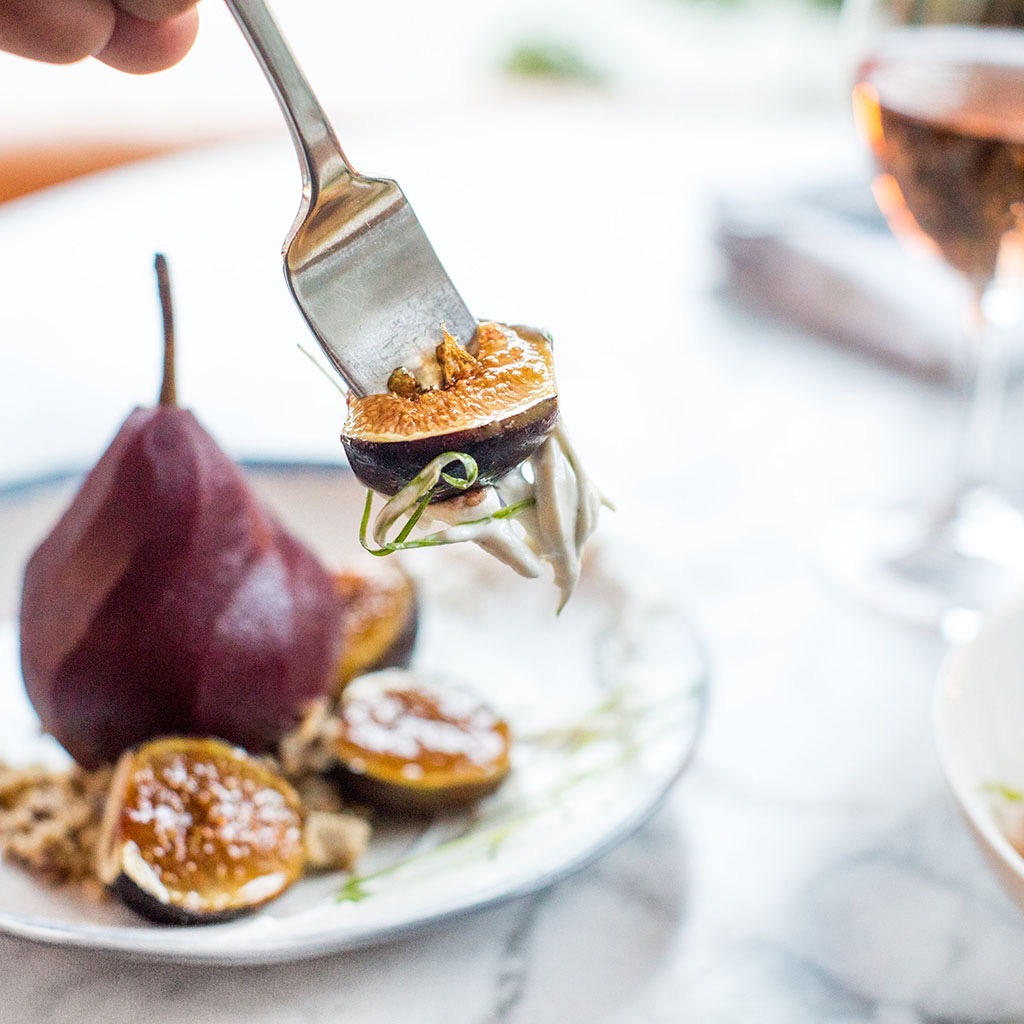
(358, 263)
(369, 283)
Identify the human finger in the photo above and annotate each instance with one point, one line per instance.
(56, 31)
(140, 47)
(155, 10)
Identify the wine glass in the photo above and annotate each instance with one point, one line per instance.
(938, 98)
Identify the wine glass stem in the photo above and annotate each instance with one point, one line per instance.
(989, 355)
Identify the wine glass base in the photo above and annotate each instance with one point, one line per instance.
(943, 569)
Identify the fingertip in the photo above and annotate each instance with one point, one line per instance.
(141, 47)
(155, 10)
(56, 33)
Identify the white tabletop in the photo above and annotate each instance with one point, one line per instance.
(810, 866)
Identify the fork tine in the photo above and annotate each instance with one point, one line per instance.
(356, 259)
(375, 295)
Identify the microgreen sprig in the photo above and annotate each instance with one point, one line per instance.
(1010, 793)
(412, 501)
(628, 732)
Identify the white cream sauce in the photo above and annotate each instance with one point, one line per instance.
(554, 530)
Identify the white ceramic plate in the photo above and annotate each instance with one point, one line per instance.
(979, 723)
(606, 701)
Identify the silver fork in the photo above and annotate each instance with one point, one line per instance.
(357, 261)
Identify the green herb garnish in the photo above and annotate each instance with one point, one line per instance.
(411, 502)
(627, 729)
(551, 59)
(1006, 792)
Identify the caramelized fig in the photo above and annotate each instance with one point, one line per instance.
(401, 745)
(166, 600)
(196, 831)
(496, 402)
(381, 618)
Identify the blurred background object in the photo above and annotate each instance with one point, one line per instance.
(700, 147)
(938, 99)
(640, 165)
(403, 59)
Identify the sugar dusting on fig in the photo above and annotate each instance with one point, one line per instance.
(196, 831)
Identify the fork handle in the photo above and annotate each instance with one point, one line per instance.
(320, 155)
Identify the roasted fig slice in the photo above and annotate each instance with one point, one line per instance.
(402, 745)
(381, 618)
(196, 831)
(496, 402)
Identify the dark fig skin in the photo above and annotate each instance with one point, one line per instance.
(166, 600)
(498, 447)
(146, 905)
(421, 799)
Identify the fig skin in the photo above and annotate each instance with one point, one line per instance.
(402, 746)
(498, 447)
(500, 406)
(166, 600)
(195, 831)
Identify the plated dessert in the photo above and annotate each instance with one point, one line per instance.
(235, 709)
(604, 703)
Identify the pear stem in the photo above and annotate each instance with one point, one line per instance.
(168, 387)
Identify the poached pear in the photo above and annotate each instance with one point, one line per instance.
(167, 600)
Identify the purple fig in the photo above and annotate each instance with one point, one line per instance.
(166, 600)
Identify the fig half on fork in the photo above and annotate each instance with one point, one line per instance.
(495, 401)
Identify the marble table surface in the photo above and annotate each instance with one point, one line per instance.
(810, 867)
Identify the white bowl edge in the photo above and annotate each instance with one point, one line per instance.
(974, 727)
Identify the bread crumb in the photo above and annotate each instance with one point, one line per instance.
(304, 750)
(49, 820)
(334, 841)
(318, 794)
